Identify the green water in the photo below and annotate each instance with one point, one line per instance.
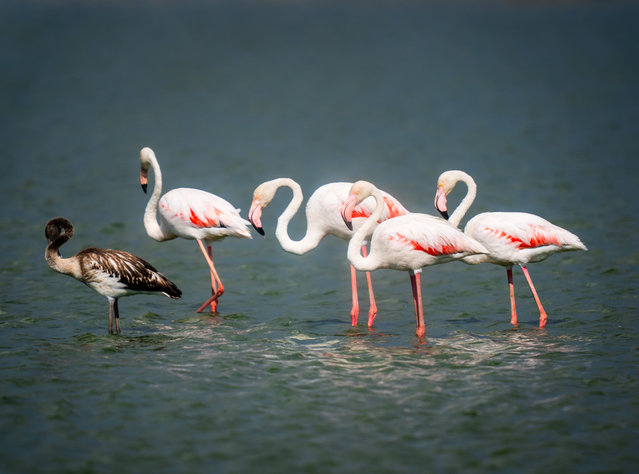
(537, 101)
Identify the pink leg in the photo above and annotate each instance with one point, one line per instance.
(355, 308)
(415, 281)
(542, 314)
(511, 288)
(216, 284)
(372, 310)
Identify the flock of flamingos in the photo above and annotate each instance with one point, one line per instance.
(356, 212)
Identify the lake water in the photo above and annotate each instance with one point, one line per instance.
(538, 101)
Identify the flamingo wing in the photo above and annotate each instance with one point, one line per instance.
(520, 237)
(417, 240)
(196, 214)
(118, 273)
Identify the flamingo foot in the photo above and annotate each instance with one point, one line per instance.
(542, 319)
(211, 301)
(372, 312)
(420, 331)
(354, 315)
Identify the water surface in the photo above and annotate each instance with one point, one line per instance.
(536, 101)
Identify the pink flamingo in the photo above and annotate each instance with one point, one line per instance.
(409, 242)
(112, 273)
(322, 218)
(510, 237)
(190, 214)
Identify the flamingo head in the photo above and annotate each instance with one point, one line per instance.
(262, 197)
(358, 192)
(56, 227)
(445, 185)
(146, 157)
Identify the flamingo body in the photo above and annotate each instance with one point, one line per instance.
(511, 238)
(197, 215)
(190, 214)
(519, 237)
(409, 242)
(323, 218)
(111, 273)
(414, 241)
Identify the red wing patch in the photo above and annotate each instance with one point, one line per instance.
(359, 211)
(198, 222)
(443, 249)
(538, 238)
(393, 208)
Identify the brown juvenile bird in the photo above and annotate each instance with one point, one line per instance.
(112, 273)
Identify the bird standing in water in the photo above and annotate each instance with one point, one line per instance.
(409, 242)
(510, 237)
(112, 273)
(322, 219)
(190, 214)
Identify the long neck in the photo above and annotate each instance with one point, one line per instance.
(151, 225)
(67, 266)
(464, 205)
(311, 239)
(354, 253)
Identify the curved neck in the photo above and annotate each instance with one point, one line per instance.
(67, 266)
(354, 254)
(311, 239)
(464, 205)
(151, 225)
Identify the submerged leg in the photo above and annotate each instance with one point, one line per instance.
(542, 313)
(372, 310)
(216, 284)
(111, 313)
(117, 316)
(511, 288)
(415, 281)
(355, 307)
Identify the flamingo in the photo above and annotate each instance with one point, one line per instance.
(112, 273)
(409, 242)
(190, 214)
(322, 218)
(510, 237)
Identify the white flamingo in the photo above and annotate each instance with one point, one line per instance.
(112, 273)
(510, 237)
(190, 214)
(322, 219)
(409, 242)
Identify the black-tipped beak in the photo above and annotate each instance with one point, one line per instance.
(259, 230)
(144, 187)
(347, 211)
(348, 224)
(347, 221)
(440, 202)
(255, 216)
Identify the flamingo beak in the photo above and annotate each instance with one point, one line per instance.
(255, 216)
(347, 210)
(144, 179)
(440, 202)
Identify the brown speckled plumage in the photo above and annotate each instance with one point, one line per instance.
(112, 273)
